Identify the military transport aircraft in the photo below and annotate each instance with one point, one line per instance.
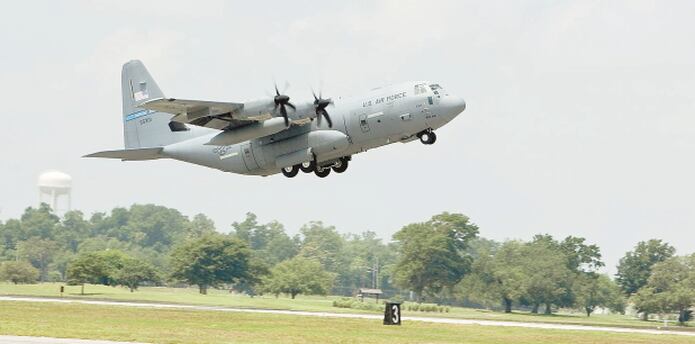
(273, 135)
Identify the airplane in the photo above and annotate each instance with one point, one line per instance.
(268, 136)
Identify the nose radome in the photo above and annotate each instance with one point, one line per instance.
(457, 104)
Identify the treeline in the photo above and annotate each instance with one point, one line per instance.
(442, 260)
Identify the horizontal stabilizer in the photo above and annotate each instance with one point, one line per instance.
(130, 154)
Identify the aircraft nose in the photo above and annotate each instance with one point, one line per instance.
(457, 104)
(462, 104)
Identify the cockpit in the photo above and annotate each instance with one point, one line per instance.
(436, 89)
(434, 92)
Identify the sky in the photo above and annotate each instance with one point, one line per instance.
(580, 114)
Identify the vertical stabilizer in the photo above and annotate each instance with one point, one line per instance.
(144, 128)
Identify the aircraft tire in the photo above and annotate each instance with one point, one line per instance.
(322, 172)
(428, 138)
(293, 170)
(308, 167)
(341, 166)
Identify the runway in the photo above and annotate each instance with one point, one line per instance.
(47, 340)
(548, 326)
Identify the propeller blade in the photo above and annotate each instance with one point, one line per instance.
(292, 106)
(283, 111)
(328, 118)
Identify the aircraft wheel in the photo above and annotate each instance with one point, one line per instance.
(322, 172)
(428, 137)
(307, 167)
(341, 166)
(290, 171)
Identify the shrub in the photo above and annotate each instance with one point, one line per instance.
(426, 307)
(347, 302)
(18, 272)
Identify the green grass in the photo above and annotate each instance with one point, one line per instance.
(305, 303)
(187, 326)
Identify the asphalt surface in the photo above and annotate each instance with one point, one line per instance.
(345, 315)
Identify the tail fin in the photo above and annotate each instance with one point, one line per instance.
(146, 128)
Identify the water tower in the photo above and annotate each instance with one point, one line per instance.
(53, 186)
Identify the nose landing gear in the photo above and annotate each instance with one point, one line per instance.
(427, 137)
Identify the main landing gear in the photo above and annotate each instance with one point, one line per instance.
(322, 171)
(427, 137)
(290, 171)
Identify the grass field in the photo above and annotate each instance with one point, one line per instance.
(305, 303)
(187, 326)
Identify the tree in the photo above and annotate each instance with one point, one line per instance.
(10, 235)
(244, 230)
(581, 257)
(85, 268)
(201, 226)
(277, 246)
(298, 275)
(670, 288)
(156, 226)
(497, 276)
(362, 254)
(134, 272)
(324, 244)
(72, 230)
(40, 252)
(635, 267)
(18, 272)
(433, 254)
(39, 222)
(96, 267)
(549, 279)
(594, 291)
(210, 261)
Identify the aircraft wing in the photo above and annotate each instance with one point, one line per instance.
(210, 114)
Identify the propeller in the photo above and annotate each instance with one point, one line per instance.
(282, 101)
(320, 105)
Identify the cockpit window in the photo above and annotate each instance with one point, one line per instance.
(420, 88)
(436, 89)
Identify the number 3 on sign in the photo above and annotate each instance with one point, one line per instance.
(394, 314)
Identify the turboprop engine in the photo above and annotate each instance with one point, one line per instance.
(252, 131)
